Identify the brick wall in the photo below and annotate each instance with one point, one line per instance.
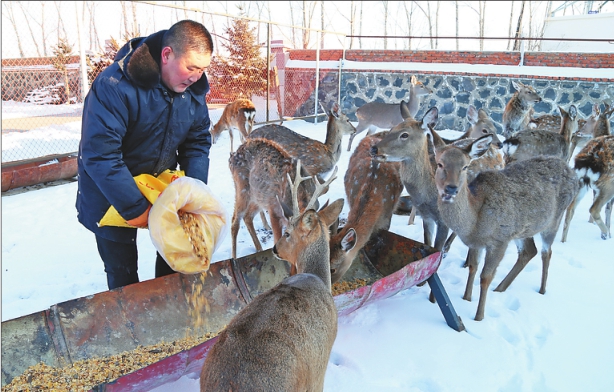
(583, 60)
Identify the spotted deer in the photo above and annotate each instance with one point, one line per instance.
(372, 189)
(387, 115)
(519, 108)
(282, 340)
(526, 198)
(597, 124)
(530, 143)
(259, 170)
(316, 157)
(235, 116)
(594, 166)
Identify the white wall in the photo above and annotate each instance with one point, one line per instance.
(599, 26)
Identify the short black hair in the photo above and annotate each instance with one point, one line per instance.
(188, 35)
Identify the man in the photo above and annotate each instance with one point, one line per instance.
(144, 114)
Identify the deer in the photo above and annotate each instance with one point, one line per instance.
(519, 109)
(480, 124)
(317, 158)
(387, 115)
(522, 200)
(530, 143)
(373, 190)
(594, 166)
(282, 339)
(597, 124)
(235, 115)
(259, 168)
(408, 143)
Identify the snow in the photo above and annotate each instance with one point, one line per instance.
(560, 341)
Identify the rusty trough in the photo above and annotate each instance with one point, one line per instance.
(157, 310)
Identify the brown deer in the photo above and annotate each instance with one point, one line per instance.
(282, 340)
(519, 109)
(387, 115)
(597, 124)
(594, 165)
(259, 170)
(408, 143)
(235, 115)
(316, 157)
(524, 199)
(372, 189)
(530, 143)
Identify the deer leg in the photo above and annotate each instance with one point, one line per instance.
(428, 226)
(472, 263)
(570, 212)
(412, 216)
(608, 215)
(234, 231)
(604, 196)
(547, 240)
(442, 236)
(265, 223)
(526, 251)
(249, 223)
(491, 262)
(591, 219)
(230, 133)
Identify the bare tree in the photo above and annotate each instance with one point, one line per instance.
(456, 4)
(428, 18)
(125, 18)
(409, 13)
(519, 27)
(509, 31)
(61, 28)
(62, 52)
(385, 4)
(437, 25)
(308, 11)
(94, 40)
(543, 28)
(38, 53)
(135, 25)
(7, 10)
(480, 11)
(360, 28)
(351, 18)
(322, 26)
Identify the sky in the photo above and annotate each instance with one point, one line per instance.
(561, 341)
(108, 22)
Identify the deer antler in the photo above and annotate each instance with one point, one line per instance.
(319, 188)
(295, 184)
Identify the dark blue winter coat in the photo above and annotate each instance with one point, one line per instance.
(133, 125)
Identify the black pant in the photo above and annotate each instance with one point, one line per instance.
(120, 263)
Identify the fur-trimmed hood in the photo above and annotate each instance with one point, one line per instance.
(139, 59)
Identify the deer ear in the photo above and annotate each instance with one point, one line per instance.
(479, 147)
(331, 212)
(405, 110)
(430, 118)
(349, 241)
(516, 85)
(472, 115)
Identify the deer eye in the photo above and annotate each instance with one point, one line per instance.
(404, 135)
(465, 168)
(484, 131)
(439, 165)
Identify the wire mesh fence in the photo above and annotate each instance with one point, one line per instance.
(42, 95)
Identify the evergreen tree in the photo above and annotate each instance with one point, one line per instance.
(62, 52)
(243, 73)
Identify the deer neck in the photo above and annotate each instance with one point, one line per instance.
(414, 101)
(602, 128)
(333, 138)
(417, 173)
(316, 260)
(461, 216)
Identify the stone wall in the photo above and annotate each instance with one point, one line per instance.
(452, 94)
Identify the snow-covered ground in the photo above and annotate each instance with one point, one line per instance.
(561, 341)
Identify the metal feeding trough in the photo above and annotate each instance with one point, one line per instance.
(157, 310)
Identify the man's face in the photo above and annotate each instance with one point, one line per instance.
(179, 72)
